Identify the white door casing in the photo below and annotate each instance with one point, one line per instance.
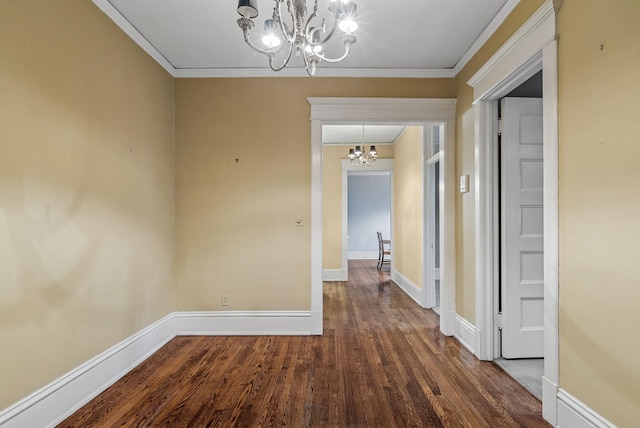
(531, 47)
(522, 226)
(432, 212)
(386, 111)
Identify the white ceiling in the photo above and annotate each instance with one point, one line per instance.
(353, 134)
(398, 38)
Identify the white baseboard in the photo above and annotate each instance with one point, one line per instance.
(407, 286)
(335, 275)
(572, 413)
(362, 255)
(243, 323)
(549, 401)
(466, 333)
(52, 404)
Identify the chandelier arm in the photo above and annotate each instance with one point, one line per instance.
(334, 60)
(286, 61)
(307, 66)
(268, 52)
(289, 36)
(329, 34)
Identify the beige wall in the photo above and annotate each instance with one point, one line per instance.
(332, 201)
(408, 192)
(235, 221)
(599, 155)
(86, 190)
(465, 143)
(599, 203)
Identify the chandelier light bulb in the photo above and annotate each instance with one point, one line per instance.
(357, 156)
(348, 23)
(270, 40)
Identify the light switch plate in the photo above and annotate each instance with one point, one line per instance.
(464, 183)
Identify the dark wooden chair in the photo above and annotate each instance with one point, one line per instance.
(383, 251)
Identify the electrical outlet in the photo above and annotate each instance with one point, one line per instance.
(225, 300)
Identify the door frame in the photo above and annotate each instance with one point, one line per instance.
(411, 111)
(430, 273)
(532, 48)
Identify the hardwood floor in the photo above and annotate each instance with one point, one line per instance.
(381, 362)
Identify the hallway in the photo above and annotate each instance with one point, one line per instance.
(381, 362)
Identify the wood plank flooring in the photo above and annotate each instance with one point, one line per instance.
(381, 362)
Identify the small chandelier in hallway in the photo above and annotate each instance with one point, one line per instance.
(359, 158)
(303, 35)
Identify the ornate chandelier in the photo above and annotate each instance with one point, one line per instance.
(357, 156)
(306, 36)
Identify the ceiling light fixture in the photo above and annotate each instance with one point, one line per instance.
(306, 36)
(357, 156)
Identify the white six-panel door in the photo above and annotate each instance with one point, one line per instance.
(522, 228)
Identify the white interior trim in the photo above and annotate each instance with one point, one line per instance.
(429, 272)
(416, 111)
(381, 165)
(52, 404)
(335, 275)
(362, 255)
(551, 225)
(55, 402)
(408, 286)
(316, 227)
(243, 323)
(406, 73)
(486, 34)
(573, 413)
(521, 47)
(532, 47)
(466, 333)
(135, 35)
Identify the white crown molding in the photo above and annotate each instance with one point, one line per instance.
(135, 35)
(321, 72)
(52, 404)
(486, 34)
(407, 73)
(530, 38)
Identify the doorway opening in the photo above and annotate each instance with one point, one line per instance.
(380, 111)
(368, 212)
(520, 288)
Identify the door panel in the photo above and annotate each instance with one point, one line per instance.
(522, 229)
